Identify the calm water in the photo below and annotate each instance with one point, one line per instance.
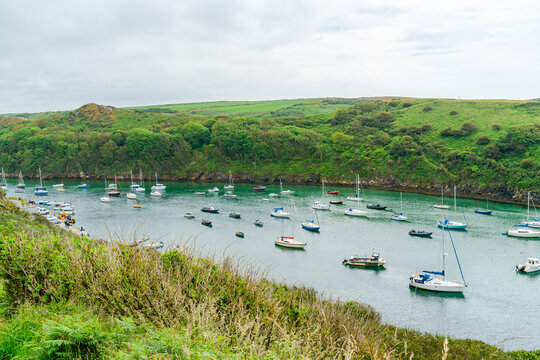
(500, 306)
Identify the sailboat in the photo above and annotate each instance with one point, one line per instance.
(400, 216)
(452, 224)
(140, 188)
(113, 190)
(40, 190)
(230, 185)
(311, 225)
(106, 198)
(20, 186)
(435, 280)
(524, 230)
(486, 211)
(441, 205)
(535, 223)
(356, 197)
(158, 186)
(284, 192)
(132, 195)
(290, 241)
(3, 185)
(319, 205)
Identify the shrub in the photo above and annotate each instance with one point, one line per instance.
(406, 105)
(427, 108)
(453, 112)
(527, 163)
(469, 128)
(483, 140)
(426, 127)
(466, 129)
(496, 127)
(393, 103)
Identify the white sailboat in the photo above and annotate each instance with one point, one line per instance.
(356, 197)
(158, 186)
(526, 229)
(452, 224)
(132, 195)
(106, 198)
(280, 213)
(140, 188)
(441, 205)
(400, 216)
(230, 185)
(534, 223)
(319, 205)
(40, 190)
(20, 186)
(3, 185)
(284, 192)
(435, 280)
(356, 212)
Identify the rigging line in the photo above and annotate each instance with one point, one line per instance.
(463, 211)
(457, 258)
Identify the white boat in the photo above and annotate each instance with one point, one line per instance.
(356, 212)
(534, 223)
(40, 190)
(319, 205)
(441, 205)
(158, 186)
(3, 185)
(400, 216)
(215, 189)
(60, 185)
(435, 280)
(133, 184)
(61, 189)
(140, 188)
(189, 215)
(53, 219)
(532, 265)
(42, 211)
(155, 193)
(273, 195)
(131, 196)
(356, 197)
(523, 232)
(280, 213)
(452, 224)
(113, 190)
(20, 186)
(200, 193)
(106, 198)
(284, 192)
(154, 245)
(230, 195)
(375, 260)
(230, 185)
(289, 242)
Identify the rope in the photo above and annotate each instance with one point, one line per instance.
(457, 258)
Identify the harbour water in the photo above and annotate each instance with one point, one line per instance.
(499, 306)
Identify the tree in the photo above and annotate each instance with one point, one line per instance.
(196, 134)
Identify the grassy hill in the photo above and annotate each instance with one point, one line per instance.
(66, 297)
(487, 147)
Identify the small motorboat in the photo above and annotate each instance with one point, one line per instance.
(155, 193)
(287, 192)
(258, 222)
(83, 186)
(356, 212)
(420, 233)
(53, 219)
(200, 193)
(154, 245)
(189, 215)
(310, 225)
(215, 189)
(44, 202)
(280, 213)
(440, 206)
(336, 202)
(206, 222)
(230, 195)
(114, 193)
(289, 242)
(259, 188)
(131, 196)
(376, 206)
(137, 206)
(483, 212)
(273, 195)
(210, 209)
(140, 189)
(399, 217)
(240, 234)
(42, 211)
(532, 265)
(105, 199)
(234, 215)
(333, 192)
(317, 205)
(375, 260)
(451, 224)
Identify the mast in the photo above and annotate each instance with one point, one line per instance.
(528, 200)
(131, 175)
(455, 207)
(443, 258)
(280, 185)
(40, 180)
(140, 176)
(322, 190)
(442, 196)
(401, 201)
(156, 178)
(21, 181)
(357, 186)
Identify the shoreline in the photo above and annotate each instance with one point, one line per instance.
(480, 193)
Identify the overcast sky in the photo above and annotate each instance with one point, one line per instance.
(59, 55)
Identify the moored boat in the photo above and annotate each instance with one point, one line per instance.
(240, 234)
(333, 192)
(229, 195)
(258, 222)
(375, 260)
(215, 189)
(189, 215)
(355, 212)
(523, 232)
(310, 225)
(259, 188)
(280, 213)
(210, 209)
(289, 242)
(376, 206)
(40, 190)
(532, 265)
(83, 186)
(234, 215)
(206, 222)
(420, 233)
(3, 185)
(20, 186)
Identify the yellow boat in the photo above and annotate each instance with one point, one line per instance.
(137, 206)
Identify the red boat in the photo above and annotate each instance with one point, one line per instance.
(333, 192)
(259, 188)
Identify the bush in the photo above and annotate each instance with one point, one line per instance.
(483, 140)
(527, 163)
(496, 127)
(427, 108)
(393, 103)
(469, 128)
(406, 105)
(453, 112)
(426, 127)
(466, 129)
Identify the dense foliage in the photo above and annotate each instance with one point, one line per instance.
(475, 144)
(65, 297)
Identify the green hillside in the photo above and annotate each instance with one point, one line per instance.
(69, 297)
(483, 146)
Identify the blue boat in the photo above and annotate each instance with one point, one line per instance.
(310, 225)
(40, 190)
(483, 212)
(83, 186)
(448, 224)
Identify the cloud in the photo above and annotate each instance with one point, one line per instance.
(61, 54)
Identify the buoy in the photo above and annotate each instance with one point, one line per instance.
(137, 206)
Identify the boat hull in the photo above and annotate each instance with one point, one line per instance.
(437, 285)
(439, 206)
(523, 233)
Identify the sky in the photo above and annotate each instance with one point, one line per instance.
(61, 54)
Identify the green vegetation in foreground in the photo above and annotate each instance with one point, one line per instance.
(65, 297)
(481, 146)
